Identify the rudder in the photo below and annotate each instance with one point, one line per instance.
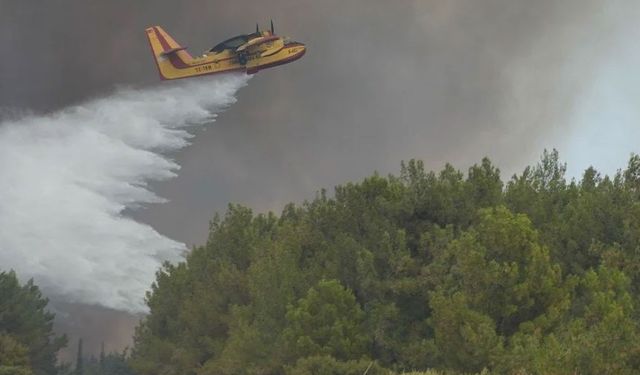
(169, 56)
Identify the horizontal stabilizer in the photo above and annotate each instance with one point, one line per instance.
(172, 50)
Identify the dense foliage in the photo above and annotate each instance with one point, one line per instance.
(451, 271)
(28, 345)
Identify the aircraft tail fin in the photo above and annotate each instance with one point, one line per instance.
(170, 57)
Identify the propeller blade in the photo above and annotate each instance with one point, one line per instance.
(272, 32)
(257, 28)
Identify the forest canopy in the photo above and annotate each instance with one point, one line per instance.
(450, 271)
(28, 345)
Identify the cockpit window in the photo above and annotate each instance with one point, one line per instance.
(232, 43)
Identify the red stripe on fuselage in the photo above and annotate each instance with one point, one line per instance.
(177, 62)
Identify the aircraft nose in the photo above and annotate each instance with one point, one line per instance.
(295, 50)
(300, 49)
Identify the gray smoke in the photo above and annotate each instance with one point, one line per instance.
(382, 81)
(386, 81)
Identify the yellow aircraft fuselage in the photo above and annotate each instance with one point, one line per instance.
(249, 53)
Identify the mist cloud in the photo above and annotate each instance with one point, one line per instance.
(66, 178)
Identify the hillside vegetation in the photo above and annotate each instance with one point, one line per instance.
(28, 345)
(457, 272)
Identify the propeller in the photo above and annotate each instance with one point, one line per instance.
(257, 28)
(272, 32)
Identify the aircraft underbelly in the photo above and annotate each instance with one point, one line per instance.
(203, 68)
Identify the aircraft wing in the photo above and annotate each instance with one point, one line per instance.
(256, 42)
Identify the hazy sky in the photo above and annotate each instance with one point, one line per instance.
(382, 81)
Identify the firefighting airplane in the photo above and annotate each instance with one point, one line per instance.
(249, 53)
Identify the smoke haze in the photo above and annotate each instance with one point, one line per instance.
(386, 81)
(382, 81)
(66, 178)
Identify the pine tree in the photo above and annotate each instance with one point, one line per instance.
(426, 270)
(25, 319)
(102, 357)
(79, 359)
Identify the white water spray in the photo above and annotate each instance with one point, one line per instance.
(66, 178)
